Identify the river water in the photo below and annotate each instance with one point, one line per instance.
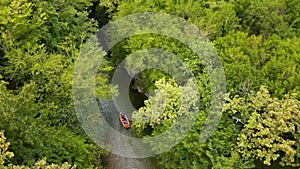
(118, 162)
(110, 110)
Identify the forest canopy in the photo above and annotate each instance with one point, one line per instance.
(258, 44)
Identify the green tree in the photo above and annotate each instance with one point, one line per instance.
(40, 41)
(293, 15)
(219, 151)
(32, 139)
(268, 127)
(6, 155)
(271, 131)
(264, 17)
(282, 70)
(243, 56)
(214, 18)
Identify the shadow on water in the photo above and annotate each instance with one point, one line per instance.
(111, 113)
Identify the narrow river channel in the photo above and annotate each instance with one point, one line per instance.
(111, 116)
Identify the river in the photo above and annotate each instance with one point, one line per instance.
(110, 112)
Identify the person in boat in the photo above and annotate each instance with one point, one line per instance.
(124, 118)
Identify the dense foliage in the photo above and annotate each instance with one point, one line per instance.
(258, 44)
(40, 41)
(5, 154)
(257, 41)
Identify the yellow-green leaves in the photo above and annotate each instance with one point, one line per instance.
(162, 108)
(4, 154)
(270, 133)
(18, 19)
